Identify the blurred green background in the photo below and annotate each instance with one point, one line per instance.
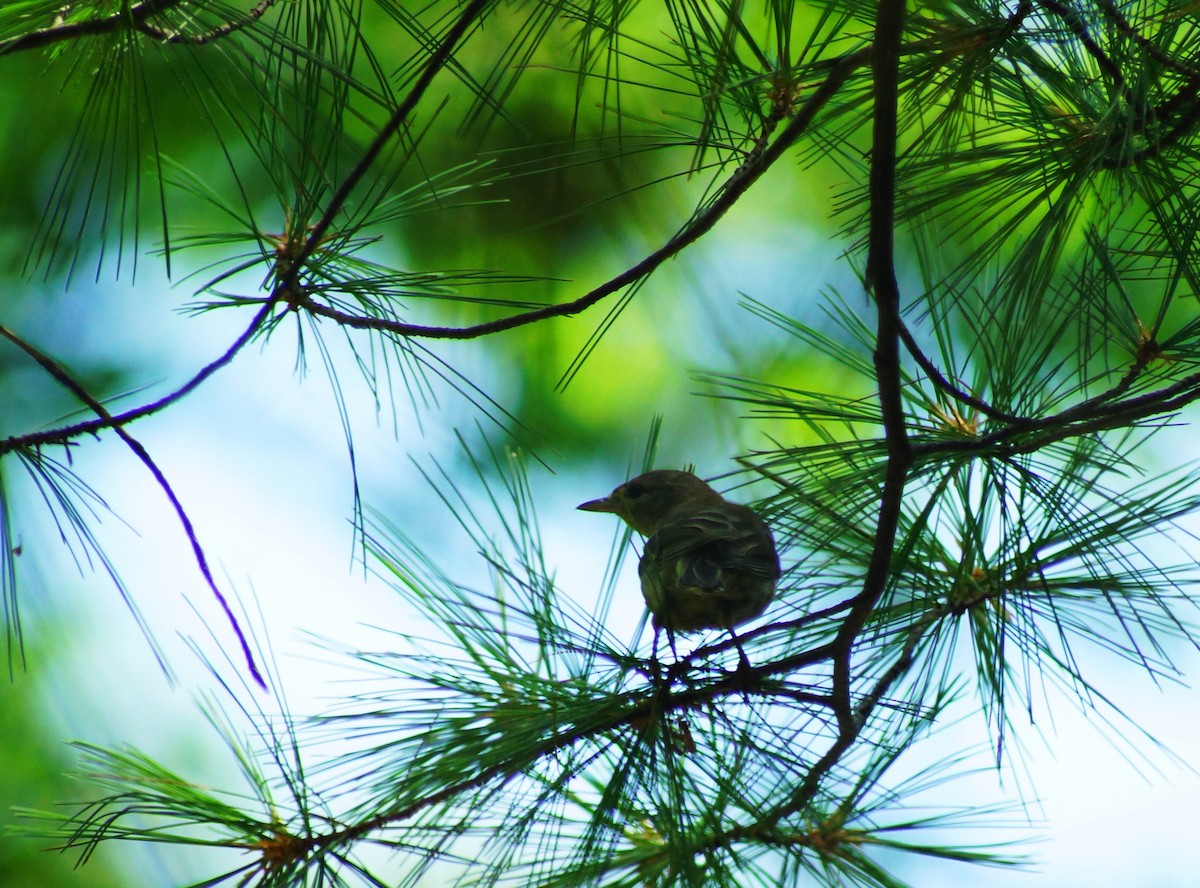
(260, 455)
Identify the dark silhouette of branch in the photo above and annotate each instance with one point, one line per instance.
(1183, 102)
(1078, 28)
(1083, 409)
(652, 705)
(60, 375)
(56, 33)
(288, 285)
(881, 281)
(730, 192)
(1110, 9)
(1084, 419)
(220, 31)
(939, 379)
(64, 434)
(757, 162)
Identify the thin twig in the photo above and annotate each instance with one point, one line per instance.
(653, 705)
(1110, 9)
(60, 375)
(57, 33)
(731, 191)
(213, 34)
(64, 434)
(940, 381)
(288, 284)
(1072, 423)
(1079, 29)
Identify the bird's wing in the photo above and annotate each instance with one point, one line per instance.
(707, 542)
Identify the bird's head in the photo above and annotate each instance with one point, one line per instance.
(646, 500)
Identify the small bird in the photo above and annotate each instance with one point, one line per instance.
(707, 564)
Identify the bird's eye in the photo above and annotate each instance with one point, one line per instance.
(634, 490)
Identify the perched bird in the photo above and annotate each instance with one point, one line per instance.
(707, 564)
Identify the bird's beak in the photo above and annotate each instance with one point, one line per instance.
(599, 505)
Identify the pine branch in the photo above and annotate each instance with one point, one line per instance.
(60, 375)
(134, 15)
(728, 195)
(66, 434)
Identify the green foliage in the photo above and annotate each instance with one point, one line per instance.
(961, 490)
(34, 777)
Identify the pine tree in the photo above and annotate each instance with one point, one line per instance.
(962, 464)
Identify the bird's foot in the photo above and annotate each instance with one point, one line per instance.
(745, 677)
(679, 670)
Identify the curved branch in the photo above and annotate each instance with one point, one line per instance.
(60, 375)
(134, 15)
(63, 434)
(730, 192)
(212, 34)
(942, 382)
(655, 704)
(865, 706)
(1084, 409)
(1083, 419)
(1109, 8)
(881, 279)
(1078, 28)
(438, 60)
(882, 283)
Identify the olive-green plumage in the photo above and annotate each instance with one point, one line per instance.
(708, 563)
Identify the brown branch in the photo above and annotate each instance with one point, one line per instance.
(211, 35)
(289, 283)
(881, 281)
(1079, 29)
(757, 162)
(1072, 422)
(761, 829)
(1185, 104)
(1088, 409)
(1141, 362)
(940, 381)
(1123, 24)
(656, 704)
(64, 434)
(1185, 98)
(60, 375)
(56, 33)
(730, 192)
